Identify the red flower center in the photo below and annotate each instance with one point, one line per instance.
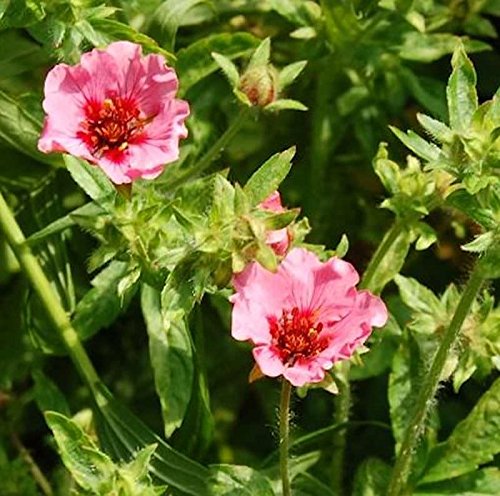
(111, 126)
(296, 334)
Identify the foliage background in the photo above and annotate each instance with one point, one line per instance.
(370, 64)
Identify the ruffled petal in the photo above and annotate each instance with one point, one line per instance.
(334, 290)
(268, 361)
(355, 328)
(304, 372)
(298, 268)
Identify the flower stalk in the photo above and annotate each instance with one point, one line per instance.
(48, 297)
(342, 404)
(286, 389)
(401, 472)
(213, 152)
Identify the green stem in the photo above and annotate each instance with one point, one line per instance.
(214, 151)
(401, 471)
(342, 403)
(48, 297)
(382, 250)
(286, 389)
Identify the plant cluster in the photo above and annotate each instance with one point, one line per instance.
(140, 243)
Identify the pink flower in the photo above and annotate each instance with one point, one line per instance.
(305, 317)
(116, 109)
(278, 240)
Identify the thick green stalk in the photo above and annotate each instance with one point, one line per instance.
(48, 297)
(400, 474)
(286, 389)
(214, 151)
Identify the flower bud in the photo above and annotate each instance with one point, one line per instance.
(260, 85)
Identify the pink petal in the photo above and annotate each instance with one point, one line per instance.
(268, 361)
(334, 290)
(355, 328)
(259, 295)
(272, 203)
(298, 268)
(303, 372)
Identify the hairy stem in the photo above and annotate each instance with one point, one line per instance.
(48, 297)
(37, 474)
(214, 151)
(342, 403)
(286, 389)
(400, 474)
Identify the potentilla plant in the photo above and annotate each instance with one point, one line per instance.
(209, 258)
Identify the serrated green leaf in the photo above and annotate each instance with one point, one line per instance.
(298, 12)
(424, 149)
(307, 485)
(228, 68)
(267, 178)
(387, 170)
(115, 31)
(139, 466)
(289, 73)
(238, 480)
(437, 129)
(89, 209)
(20, 13)
(285, 104)
(91, 179)
(89, 33)
(343, 247)
(48, 396)
(197, 430)
(417, 296)
(123, 434)
(429, 92)
(21, 130)
(261, 55)
(470, 205)
(304, 33)
(169, 16)
(461, 91)
(403, 383)
(102, 304)
(171, 347)
(484, 482)
(91, 469)
(426, 236)
(297, 465)
(427, 47)
(279, 220)
(372, 478)
(480, 243)
(170, 350)
(195, 62)
(474, 441)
